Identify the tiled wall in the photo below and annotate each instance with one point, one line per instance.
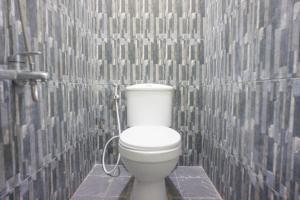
(160, 42)
(48, 147)
(250, 98)
(237, 100)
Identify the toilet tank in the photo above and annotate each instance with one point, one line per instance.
(149, 104)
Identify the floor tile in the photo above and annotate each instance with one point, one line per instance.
(94, 186)
(190, 172)
(120, 187)
(186, 198)
(172, 187)
(98, 171)
(197, 187)
(184, 183)
(173, 173)
(97, 198)
(86, 198)
(212, 198)
(124, 172)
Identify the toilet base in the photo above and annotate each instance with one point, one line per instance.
(149, 190)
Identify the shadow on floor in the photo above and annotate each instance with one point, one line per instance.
(172, 190)
(127, 189)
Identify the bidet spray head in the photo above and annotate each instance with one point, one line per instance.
(116, 92)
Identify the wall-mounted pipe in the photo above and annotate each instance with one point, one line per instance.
(16, 75)
(24, 77)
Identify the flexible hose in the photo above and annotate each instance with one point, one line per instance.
(116, 166)
(111, 172)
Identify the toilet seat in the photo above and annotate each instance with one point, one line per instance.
(150, 138)
(150, 144)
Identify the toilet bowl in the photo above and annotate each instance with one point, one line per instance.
(149, 149)
(149, 153)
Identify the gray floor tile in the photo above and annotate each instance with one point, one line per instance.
(120, 187)
(173, 173)
(190, 172)
(124, 172)
(172, 187)
(97, 198)
(98, 171)
(86, 198)
(186, 198)
(197, 187)
(93, 186)
(205, 198)
(184, 183)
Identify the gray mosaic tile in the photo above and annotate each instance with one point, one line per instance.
(157, 53)
(248, 100)
(235, 66)
(49, 146)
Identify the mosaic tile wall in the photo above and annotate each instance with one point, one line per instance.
(236, 104)
(159, 42)
(48, 147)
(250, 98)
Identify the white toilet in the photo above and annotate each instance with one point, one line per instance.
(149, 149)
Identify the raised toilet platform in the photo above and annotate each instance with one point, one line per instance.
(185, 183)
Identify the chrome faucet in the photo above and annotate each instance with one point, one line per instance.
(21, 77)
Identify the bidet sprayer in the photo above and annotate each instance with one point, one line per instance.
(112, 172)
(116, 92)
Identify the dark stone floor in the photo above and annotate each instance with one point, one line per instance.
(185, 183)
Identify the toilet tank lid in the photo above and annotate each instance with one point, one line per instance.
(149, 86)
(150, 138)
